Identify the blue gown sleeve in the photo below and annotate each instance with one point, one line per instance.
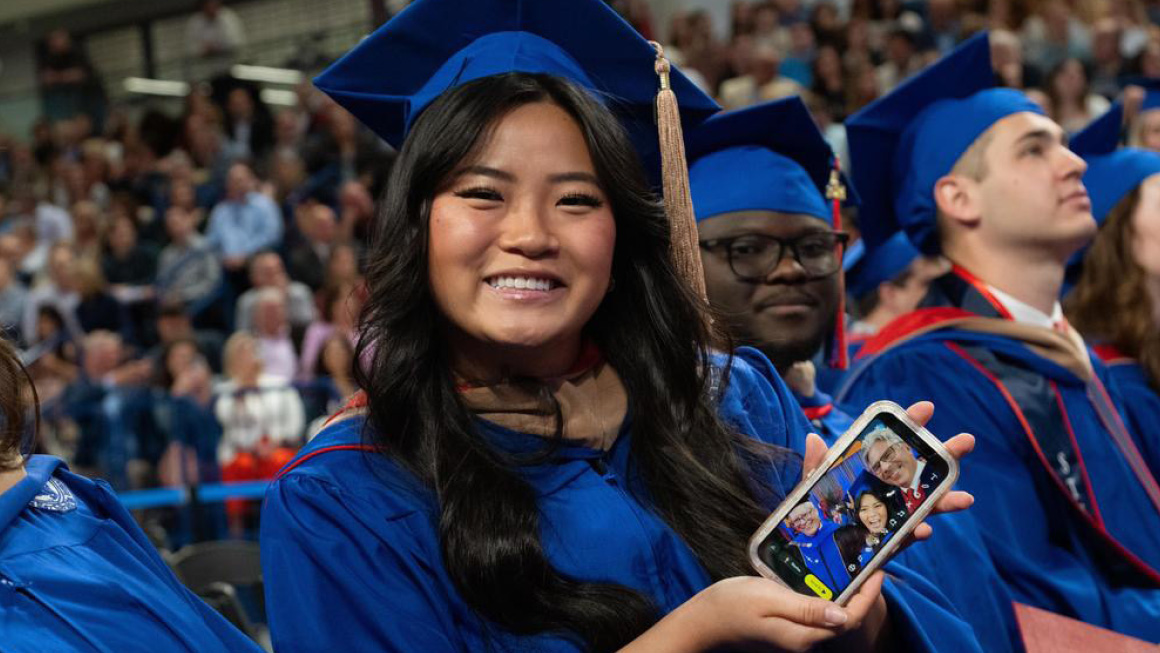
(1140, 406)
(923, 618)
(759, 404)
(345, 573)
(976, 550)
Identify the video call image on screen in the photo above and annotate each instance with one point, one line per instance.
(854, 509)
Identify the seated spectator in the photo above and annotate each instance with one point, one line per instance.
(307, 260)
(98, 310)
(110, 406)
(127, 262)
(186, 415)
(762, 82)
(13, 295)
(174, 324)
(342, 268)
(340, 309)
(249, 126)
(262, 421)
(245, 222)
(188, 273)
(267, 271)
(88, 229)
(1074, 106)
(356, 212)
(53, 360)
(58, 292)
(50, 225)
(902, 60)
(272, 331)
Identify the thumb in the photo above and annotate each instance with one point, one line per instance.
(818, 613)
(815, 452)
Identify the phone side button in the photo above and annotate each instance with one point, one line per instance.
(819, 588)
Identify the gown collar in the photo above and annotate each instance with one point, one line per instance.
(39, 470)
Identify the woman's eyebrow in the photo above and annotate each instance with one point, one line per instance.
(487, 172)
(574, 176)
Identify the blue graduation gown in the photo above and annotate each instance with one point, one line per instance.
(1141, 405)
(821, 555)
(77, 574)
(350, 550)
(1038, 542)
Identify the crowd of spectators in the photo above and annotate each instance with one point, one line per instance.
(185, 285)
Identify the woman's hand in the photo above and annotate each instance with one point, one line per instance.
(757, 614)
(958, 446)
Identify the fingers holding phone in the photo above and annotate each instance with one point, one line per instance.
(859, 502)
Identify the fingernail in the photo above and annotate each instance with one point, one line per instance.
(835, 616)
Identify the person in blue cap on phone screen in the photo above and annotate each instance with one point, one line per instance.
(1067, 509)
(549, 453)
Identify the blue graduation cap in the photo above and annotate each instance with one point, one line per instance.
(1105, 133)
(904, 142)
(433, 45)
(881, 264)
(767, 157)
(1112, 174)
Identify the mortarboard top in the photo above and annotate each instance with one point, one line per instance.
(392, 75)
(769, 157)
(881, 264)
(904, 142)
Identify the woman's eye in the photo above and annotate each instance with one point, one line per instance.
(1034, 150)
(581, 199)
(480, 193)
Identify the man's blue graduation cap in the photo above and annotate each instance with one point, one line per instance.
(433, 45)
(881, 264)
(904, 142)
(735, 156)
(769, 157)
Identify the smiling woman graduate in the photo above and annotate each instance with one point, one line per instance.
(548, 456)
(76, 572)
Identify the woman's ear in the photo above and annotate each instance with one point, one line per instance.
(955, 199)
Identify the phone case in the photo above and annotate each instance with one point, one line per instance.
(832, 456)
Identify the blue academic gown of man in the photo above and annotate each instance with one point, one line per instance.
(351, 553)
(1141, 404)
(1063, 518)
(822, 556)
(77, 574)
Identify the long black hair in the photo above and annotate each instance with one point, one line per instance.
(651, 329)
(19, 408)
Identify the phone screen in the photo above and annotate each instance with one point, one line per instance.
(854, 509)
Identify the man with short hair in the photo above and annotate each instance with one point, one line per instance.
(245, 222)
(814, 539)
(772, 252)
(1066, 510)
(891, 461)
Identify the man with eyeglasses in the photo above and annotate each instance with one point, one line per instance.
(813, 538)
(770, 250)
(890, 460)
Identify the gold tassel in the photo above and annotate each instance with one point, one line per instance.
(686, 248)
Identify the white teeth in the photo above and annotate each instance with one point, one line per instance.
(521, 283)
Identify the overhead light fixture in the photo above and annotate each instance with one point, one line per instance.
(164, 87)
(266, 74)
(278, 96)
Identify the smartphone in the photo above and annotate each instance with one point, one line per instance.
(844, 520)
